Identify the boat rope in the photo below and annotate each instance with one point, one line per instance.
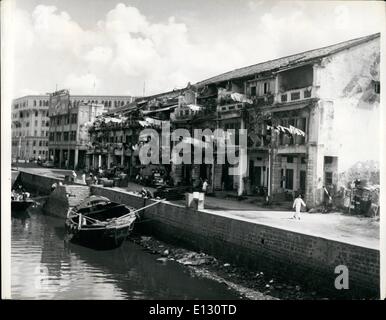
(122, 217)
(143, 208)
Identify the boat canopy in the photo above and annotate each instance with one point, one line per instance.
(92, 201)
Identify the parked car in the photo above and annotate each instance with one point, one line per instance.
(48, 164)
(171, 193)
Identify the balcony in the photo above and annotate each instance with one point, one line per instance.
(292, 149)
(295, 95)
(230, 107)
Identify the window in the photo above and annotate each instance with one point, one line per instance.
(266, 87)
(253, 91)
(290, 159)
(36, 113)
(65, 136)
(289, 179)
(328, 160)
(377, 87)
(74, 118)
(40, 143)
(34, 143)
(34, 103)
(328, 178)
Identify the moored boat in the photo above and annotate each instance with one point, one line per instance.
(20, 201)
(100, 223)
(21, 205)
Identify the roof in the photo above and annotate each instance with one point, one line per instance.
(295, 59)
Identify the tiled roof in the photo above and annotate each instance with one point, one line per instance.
(286, 61)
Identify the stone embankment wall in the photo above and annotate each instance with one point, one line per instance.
(308, 259)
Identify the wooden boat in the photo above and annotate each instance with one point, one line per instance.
(21, 205)
(99, 223)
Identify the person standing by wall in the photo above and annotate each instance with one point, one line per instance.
(205, 186)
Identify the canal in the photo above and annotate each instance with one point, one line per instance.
(45, 266)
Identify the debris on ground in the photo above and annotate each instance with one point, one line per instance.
(253, 285)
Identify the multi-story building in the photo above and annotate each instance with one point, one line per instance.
(30, 121)
(115, 138)
(331, 94)
(309, 117)
(68, 131)
(30, 127)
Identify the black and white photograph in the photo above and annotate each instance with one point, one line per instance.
(192, 150)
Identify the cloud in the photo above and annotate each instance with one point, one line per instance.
(126, 48)
(82, 83)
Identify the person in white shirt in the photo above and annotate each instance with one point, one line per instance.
(205, 186)
(298, 203)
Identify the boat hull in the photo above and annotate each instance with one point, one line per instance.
(21, 205)
(98, 238)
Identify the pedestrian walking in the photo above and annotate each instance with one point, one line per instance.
(298, 203)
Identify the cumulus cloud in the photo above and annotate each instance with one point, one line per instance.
(126, 48)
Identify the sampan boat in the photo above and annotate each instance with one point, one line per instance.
(100, 223)
(21, 205)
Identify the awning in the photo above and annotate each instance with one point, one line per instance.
(159, 110)
(288, 107)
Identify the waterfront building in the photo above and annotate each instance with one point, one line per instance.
(68, 132)
(330, 95)
(30, 121)
(30, 125)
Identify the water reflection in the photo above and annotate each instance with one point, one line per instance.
(45, 266)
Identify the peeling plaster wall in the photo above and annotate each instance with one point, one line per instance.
(349, 108)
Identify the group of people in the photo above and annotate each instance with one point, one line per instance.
(19, 194)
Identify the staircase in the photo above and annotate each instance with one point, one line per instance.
(76, 194)
(65, 197)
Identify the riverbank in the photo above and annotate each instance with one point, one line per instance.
(306, 251)
(252, 285)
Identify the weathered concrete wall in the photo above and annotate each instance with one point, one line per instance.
(311, 260)
(64, 197)
(38, 183)
(350, 111)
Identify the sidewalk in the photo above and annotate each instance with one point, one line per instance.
(356, 230)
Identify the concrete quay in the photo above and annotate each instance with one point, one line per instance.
(308, 250)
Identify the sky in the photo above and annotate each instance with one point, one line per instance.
(146, 47)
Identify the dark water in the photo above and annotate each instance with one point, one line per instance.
(44, 266)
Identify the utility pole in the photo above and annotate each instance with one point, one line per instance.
(144, 86)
